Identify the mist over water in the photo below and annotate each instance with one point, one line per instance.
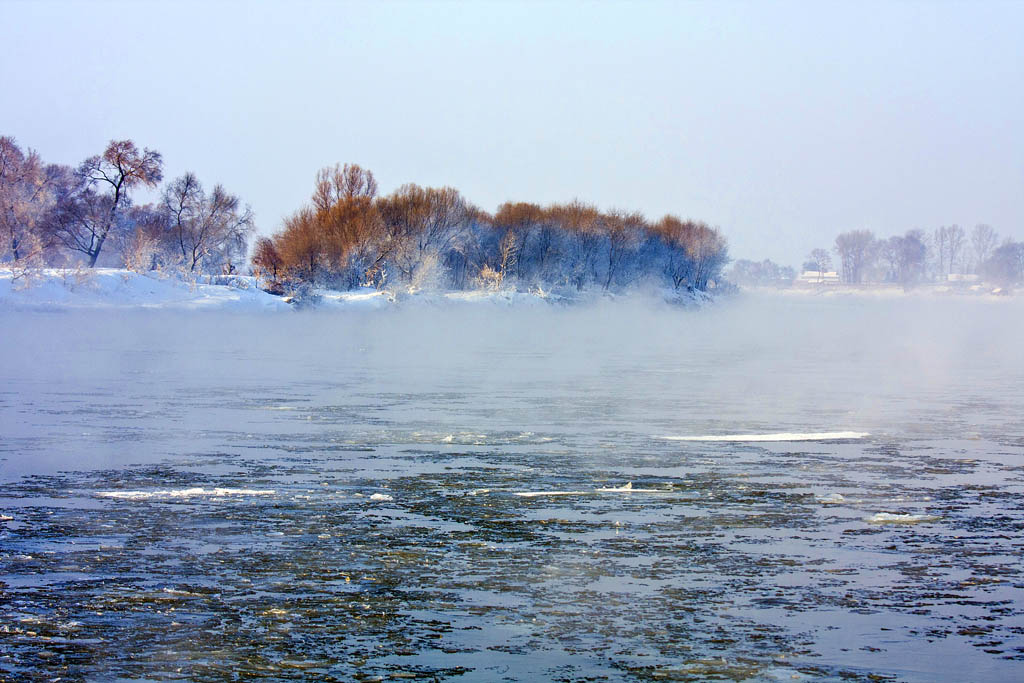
(324, 495)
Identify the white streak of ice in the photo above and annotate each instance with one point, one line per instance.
(535, 494)
(781, 436)
(184, 493)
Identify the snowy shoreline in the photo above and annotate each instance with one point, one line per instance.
(56, 289)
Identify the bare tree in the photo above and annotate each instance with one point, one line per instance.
(580, 224)
(1006, 265)
(342, 182)
(983, 241)
(949, 243)
(87, 213)
(623, 231)
(300, 245)
(420, 222)
(266, 259)
(205, 226)
(855, 253)
(26, 194)
(523, 220)
(911, 254)
(957, 240)
(822, 261)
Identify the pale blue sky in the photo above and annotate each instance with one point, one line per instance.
(783, 123)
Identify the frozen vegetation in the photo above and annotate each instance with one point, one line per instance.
(348, 238)
(62, 288)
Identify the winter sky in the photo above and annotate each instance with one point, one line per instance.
(782, 123)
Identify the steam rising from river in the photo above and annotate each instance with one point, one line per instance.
(745, 366)
(484, 491)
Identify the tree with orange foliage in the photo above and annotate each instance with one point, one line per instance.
(517, 223)
(422, 224)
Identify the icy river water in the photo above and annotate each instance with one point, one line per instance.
(214, 497)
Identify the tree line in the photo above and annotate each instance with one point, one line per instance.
(52, 214)
(348, 235)
(916, 256)
(913, 258)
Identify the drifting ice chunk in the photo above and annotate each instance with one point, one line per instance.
(889, 518)
(383, 497)
(781, 436)
(628, 488)
(832, 499)
(535, 494)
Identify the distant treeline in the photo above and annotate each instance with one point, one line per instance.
(55, 215)
(347, 236)
(916, 257)
(433, 237)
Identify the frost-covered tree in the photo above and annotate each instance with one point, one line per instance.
(27, 193)
(95, 202)
(423, 224)
(205, 230)
(624, 232)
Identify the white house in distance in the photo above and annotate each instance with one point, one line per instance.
(814, 277)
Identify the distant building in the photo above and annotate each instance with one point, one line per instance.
(814, 277)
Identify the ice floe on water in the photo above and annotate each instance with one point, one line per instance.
(780, 436)
(194, 492)
(890, 518)
(627, 488)
(382, 497)
(538, 494)
(832, 499)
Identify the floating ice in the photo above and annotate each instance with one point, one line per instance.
(536, 494)
(781, 436)
(832, 499)
(6, 518)
(185, 493)
(381, 497)
(628, 488)
(889, 518)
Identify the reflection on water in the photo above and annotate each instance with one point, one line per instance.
(342, 497)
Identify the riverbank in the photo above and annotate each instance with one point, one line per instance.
(59, 289)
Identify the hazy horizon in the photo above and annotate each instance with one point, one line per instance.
(783, 124)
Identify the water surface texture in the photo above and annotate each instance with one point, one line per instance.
(770, 489)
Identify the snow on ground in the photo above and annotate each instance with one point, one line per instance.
(55, 289)
(113, 288)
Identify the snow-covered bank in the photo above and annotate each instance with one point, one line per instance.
(58, 289)
(54, 289)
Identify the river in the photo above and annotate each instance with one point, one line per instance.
(481, 493)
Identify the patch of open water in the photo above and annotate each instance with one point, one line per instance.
(339, 498)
